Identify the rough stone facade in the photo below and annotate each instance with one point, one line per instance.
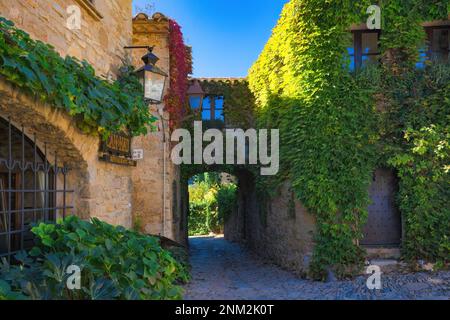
(280, 230)
(105, 28)
(100, 189)
(157, 204)
(119, 195)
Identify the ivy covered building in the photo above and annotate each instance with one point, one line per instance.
(364, 124)
(72, 113)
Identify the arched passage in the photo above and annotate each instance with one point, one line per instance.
(235, 225)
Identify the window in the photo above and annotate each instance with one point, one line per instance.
(206, 109)
(218, 109)
(365, 48)
(31, 190)
(438, 43)
(213, 108)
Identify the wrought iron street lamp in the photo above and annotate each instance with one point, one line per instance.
(152, 78)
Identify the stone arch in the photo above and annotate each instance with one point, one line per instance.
(57, 131)
(235, 228)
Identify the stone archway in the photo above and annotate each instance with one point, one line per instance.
(55, 131)
(235, 227)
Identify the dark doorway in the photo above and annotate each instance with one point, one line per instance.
(384, 225)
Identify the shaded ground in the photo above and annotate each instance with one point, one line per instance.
(225, 271)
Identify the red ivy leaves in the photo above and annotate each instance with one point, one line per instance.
(180, 68)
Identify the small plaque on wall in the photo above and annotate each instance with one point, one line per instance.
(138, 154)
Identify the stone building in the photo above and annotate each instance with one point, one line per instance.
(132, 196)
(281, 228)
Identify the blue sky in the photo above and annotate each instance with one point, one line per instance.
(227, 36)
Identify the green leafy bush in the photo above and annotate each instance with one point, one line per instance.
(226, 201)
(99, 106)
(420, 138)
(115, 264)
(210, 203)
(203, 214)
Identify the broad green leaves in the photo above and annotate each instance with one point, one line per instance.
(72, 85)
(115, 264)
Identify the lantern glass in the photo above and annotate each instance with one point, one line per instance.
(153, 85)
(196, 101)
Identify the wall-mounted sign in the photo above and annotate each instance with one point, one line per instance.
(138, 154)
(117, 150)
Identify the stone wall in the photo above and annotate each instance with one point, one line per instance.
(105, 28)
(107, 191)
(101, 190)
(281, 230)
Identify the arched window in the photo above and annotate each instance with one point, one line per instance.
(31, 189)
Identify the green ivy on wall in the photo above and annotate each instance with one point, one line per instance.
(417, 144)
(239, 104)
(98, 106)
(327, 124)
(333, 137)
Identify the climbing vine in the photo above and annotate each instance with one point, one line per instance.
(417, 145)
(98, 106)
(239, 104)
(333, 137)
(180, 68)
(327, 124)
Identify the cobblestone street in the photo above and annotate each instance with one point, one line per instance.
(224, 271)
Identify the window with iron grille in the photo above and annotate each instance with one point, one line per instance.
(32, 189)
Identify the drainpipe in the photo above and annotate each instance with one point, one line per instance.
(164, 140)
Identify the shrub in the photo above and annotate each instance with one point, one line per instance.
(115, 264)
(203, 215)
(226, 200)
(210, 203)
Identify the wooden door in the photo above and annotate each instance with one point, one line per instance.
(384, 226)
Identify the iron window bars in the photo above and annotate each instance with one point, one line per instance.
(28, 189)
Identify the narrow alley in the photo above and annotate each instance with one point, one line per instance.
(225, 271)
